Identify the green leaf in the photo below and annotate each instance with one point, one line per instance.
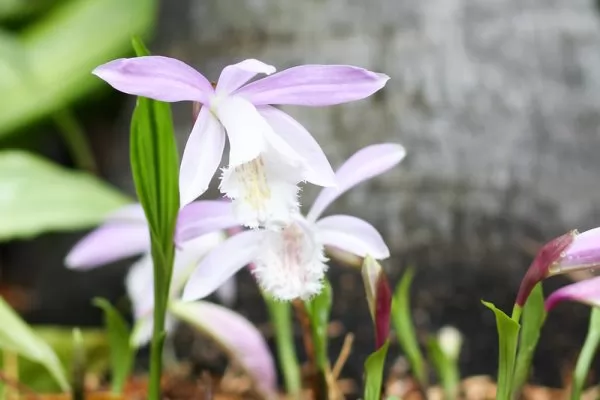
(533, 319)
(121, 352)
(588, 351)
(64, 46)
(37, 196)
(374, 373)
(281, 318)
(405, 330)
(318, 309)
(508, 335)
(155, 168)
(140, 48)
(445, 366)
(17, 337)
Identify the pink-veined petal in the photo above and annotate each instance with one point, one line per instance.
(294, 134)
(353, 235)
(314, 85)
(234, 76)
(583, 253)
(587, 291)
(108, 243)
(222, 263)
(203, 216)
(365, 164)
(156, 77)
(201, 157)
(245, 127)
(237, 336)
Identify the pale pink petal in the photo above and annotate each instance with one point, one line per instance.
(156, 77)
(204, 216)
(139, 284)
(294, 134)
(587, 291)
(133, 213)
(353, 235)
(583, 253)
(222, 263)
(234, 76)
(314, 85)
(364, 164)
(246, 129)
(242, 341)
(110, 242)
(201, 157)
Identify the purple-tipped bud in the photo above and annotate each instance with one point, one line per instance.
(587, 292)
(379, 297)
(546, 261)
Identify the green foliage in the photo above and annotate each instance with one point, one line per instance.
(318, 309)
(155, 168)
(65, 45)
(17, 337)
(533, 319)
(121, 352)
(374, 373)
(37, 196)
(508, 335)
(588, 351)
(281, 317)
(445, 366)
(403, 325)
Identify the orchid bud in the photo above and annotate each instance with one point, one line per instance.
(450, 340)
(379, 298)
(546, 263)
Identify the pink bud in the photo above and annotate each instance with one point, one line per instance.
(546, 261)
(379, 297)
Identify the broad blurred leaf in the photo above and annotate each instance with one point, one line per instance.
(17, 337)
(121, 352)
(280, 314)
(374, 373)
(64, 47)
(236, 336)
(533, 319)
(61, 341)
(38, 196)
(405, 330)
(445, 367)
(319, 308)
(508, 335)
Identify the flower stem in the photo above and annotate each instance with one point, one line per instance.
(281, 318)
(163, 268)
(76, 141)
(587, 354)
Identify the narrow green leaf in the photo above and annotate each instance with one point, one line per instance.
(17, 337)
(445, 366)
(155, 168)
(374, 373)
(318, 310)
(405, 330)
(533, 319)
(37, 196)
(121, 352)
(588, 351)
(140, 48)
(91, 32)
(281, 317)
(508, 335)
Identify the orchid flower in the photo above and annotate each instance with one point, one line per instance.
(290, 263)
(270, 152)
(567, 253)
